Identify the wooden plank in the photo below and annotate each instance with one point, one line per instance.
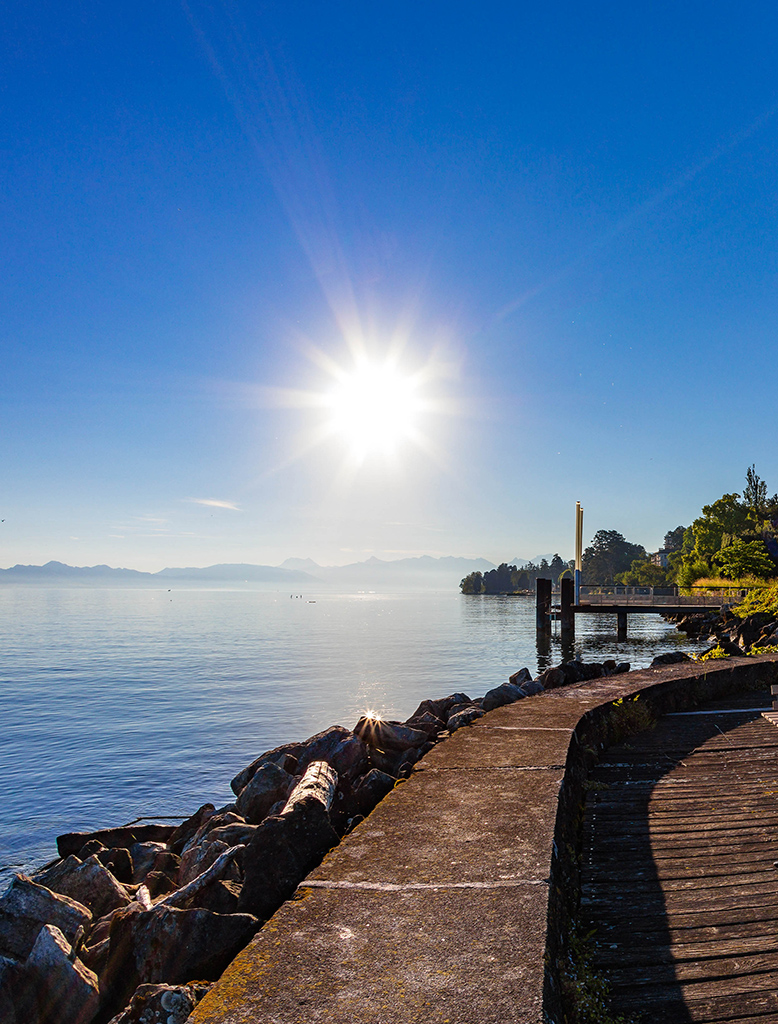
(712, 883)
(755, 1007)
(674, 925)
(637, 954)
(679, 871)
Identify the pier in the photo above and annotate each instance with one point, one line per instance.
(622, 601)
(456, 900)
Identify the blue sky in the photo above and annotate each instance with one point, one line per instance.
(559, 221)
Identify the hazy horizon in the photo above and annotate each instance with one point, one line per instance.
(362, 281)
(281, 565)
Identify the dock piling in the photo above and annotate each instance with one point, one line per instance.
(566, 602)
(543, 604)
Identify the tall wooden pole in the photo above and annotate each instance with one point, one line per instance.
(578, 550)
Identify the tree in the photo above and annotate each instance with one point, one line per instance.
(500, 580)
(755, 493)
(720, 525)
(643, 573)
(557, 567)
(674, 539)
(608, 555)
(745, 559)
(472, 584)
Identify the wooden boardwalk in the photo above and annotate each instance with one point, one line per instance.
(679, 880)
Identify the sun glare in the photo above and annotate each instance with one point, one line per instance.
(374, 408)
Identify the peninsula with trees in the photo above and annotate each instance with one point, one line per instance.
(733, 541)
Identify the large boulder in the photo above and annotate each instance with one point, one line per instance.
(26, 907)
(339, 748)
(521, 677)
(88, 882)
(148, 856)
(284, 849)
(186, 830)
(198, 859)
(464, 717)
(125, 836)
(173, 946)
(532, 687)
(507, 693)
(552, 678)
(18, 1002)
(669, 658)
(372, 788)
(67, 991)
(389, 735)
(749, 630)
(427, 723)
(162, 1004)
(285, 756)
(268, 785)
(441, 707)
(219, 820)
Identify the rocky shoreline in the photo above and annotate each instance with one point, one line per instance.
(132, 924)
(727, 633)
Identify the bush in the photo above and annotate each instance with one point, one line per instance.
(760, 599)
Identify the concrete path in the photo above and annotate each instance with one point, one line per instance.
(436, 908)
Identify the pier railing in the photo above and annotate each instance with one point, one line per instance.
(698, 597)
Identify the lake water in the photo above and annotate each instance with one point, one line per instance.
(118, 704)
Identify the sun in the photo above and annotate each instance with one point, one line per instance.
(374, 408)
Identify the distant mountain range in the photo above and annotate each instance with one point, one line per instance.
(424, 572)
(521, 562)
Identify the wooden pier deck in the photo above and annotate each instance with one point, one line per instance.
(679, 875)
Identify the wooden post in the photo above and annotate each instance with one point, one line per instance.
(622, 625)
(578, 550)
(566, 599)
(543, 604)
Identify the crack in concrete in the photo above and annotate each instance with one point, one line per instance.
(491, 768)
(407, 886)
(531, 728)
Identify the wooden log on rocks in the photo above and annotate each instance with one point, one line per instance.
(182, 896)
(320, 782)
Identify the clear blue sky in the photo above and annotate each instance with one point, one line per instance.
(563, 215)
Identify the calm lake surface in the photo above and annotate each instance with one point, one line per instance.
(118, 704)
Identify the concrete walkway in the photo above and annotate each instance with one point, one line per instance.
(437, 908)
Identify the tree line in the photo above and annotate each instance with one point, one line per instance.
(509, 579)
(734, 538)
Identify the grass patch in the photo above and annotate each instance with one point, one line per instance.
(586, 992)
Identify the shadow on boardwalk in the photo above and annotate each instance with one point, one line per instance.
(678, 879)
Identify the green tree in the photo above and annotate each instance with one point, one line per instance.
(472, 584)
(609, 554)
(720, 524)
(674, 539)
(755, 493)
(558, 566)
(643, 573)
(745, 559)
